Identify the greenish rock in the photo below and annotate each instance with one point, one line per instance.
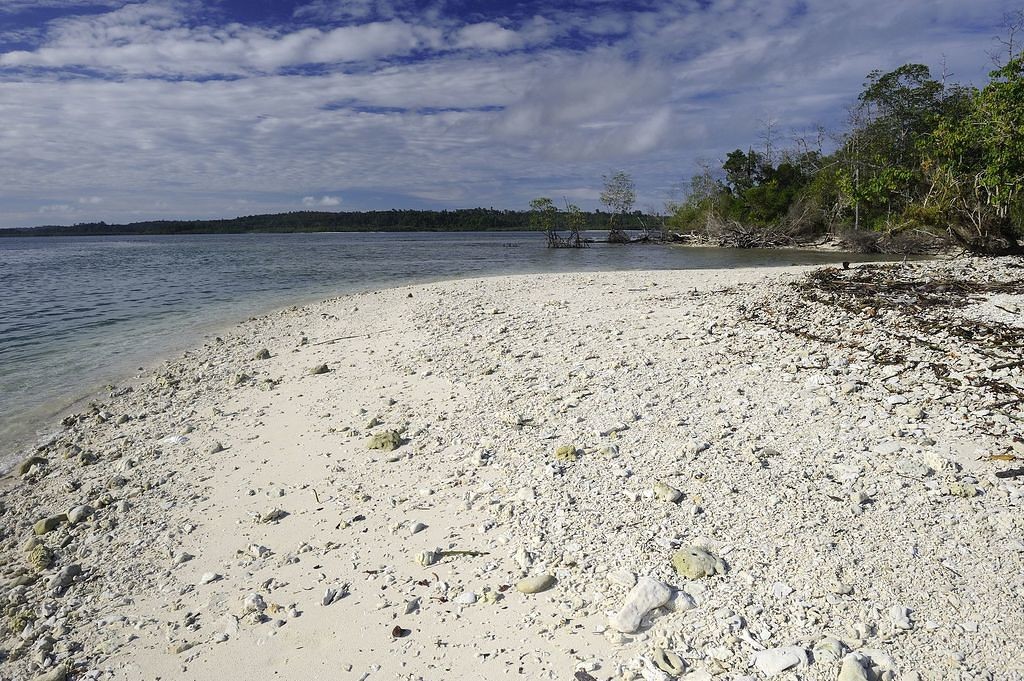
(19, 619)
(41, 557)
(387, 441)
(567, 453)
(428, 558)
(24, 467)
(50, 524)
(319, 369)
(693, 563)
(535, 584)
(666, 492)
(964, 490)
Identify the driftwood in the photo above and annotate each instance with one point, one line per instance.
(733, 234)
(904, 242)
(573, 240)
(918, 313)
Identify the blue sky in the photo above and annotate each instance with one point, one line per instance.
(124, 111)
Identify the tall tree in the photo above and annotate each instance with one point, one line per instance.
(896, 112)
(978, 167)
(543, 214)
(619, 195)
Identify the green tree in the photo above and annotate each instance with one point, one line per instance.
(896, 112)
(576, 222)
(543, 214)
(743, 170)
(977, 171)
(619, 195)
(702, 196)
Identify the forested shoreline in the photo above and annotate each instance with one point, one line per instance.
(461, 220)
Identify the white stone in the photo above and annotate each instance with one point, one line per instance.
(622, 578)
(209, 577)
(680, 602)
(647, 595)
(774, 661)
(852, 669)
(78, 514)
(257, 551)
(253, 603)
(900, 618)
(466, 598)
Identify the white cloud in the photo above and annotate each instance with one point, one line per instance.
(427, 107)
(487, 35)
(154, 38)
(58, 208)
(338, 10)
(325, 201)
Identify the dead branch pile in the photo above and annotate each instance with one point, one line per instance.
(897, 286)
(733, 234)
(909, 319)
(902, 243)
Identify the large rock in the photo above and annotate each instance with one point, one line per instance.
(647, 595)
(63, 579)
(78, 514)
(47, 525)
(693, 563)
(852, 669)
(535, 584)
(26, 465)
(58, 673)
(387, 441)
(774, 661)
(40, 557)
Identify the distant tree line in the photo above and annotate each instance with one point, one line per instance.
(920, 157)
(462, 220)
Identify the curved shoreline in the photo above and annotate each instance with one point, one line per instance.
(671, 377)
(42, 420)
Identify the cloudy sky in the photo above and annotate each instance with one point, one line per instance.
(123, 111)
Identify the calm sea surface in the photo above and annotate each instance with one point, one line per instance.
(79, 312)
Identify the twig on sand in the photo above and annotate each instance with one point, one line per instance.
(951, 570)
(358, 335)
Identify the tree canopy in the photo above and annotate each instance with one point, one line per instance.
(919, 155)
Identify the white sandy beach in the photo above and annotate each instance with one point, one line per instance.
(860, 532)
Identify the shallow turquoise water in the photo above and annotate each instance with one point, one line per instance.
(79, 312)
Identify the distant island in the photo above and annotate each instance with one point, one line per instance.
(461, 220)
